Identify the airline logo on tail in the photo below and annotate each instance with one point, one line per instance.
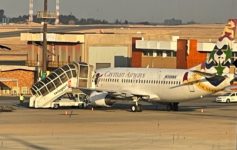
(220, 58)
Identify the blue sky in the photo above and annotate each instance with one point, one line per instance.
(203, 11)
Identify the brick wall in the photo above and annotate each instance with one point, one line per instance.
(194, 57)
(25, 80)
(159, 62)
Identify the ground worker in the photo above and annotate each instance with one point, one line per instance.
(21, 98)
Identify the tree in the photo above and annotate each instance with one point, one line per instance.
(117, 21)
(2, 14)
(125, 22)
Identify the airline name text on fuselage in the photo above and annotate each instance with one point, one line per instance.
(124, 75)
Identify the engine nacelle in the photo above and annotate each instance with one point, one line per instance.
(100, 99)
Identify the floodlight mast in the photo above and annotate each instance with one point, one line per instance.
(45, 23)
(45, 15)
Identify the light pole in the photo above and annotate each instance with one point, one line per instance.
(44, 58)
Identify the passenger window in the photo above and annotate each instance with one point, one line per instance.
(232, 94)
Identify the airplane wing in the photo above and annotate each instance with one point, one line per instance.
(122, 94)
(88, 91)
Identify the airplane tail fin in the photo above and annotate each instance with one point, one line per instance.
(219, 61)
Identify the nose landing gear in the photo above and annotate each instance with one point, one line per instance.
(136, 107)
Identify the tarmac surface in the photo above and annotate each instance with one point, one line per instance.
(199, 125)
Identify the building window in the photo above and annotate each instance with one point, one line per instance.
(148, 53)
(174, 54)
(159, 53)
(24, 90)
(168, 53)
(14, 91)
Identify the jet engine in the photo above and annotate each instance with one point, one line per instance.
(101, 99)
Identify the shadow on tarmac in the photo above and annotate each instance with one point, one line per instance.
(25, 143)
(189, 106)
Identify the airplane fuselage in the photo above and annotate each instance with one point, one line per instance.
(160, 85)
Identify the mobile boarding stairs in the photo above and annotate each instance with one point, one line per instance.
(60, 82)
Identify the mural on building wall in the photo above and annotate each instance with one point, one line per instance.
(220, 58)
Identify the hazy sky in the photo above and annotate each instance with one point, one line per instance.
(204, 11)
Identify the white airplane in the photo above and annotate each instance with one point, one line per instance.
(168, 86)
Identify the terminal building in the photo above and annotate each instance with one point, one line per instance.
(99, 50)
(117, 50)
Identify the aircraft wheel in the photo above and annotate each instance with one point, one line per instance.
(133, 108)
(56, 106)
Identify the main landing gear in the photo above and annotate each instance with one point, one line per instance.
(172, 106)
(136, 107)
